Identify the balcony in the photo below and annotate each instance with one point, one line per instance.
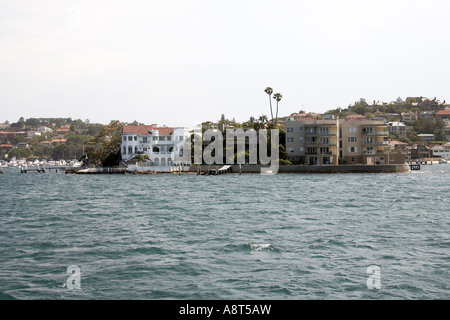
(374, 153)
(375, 143)
(376, 133)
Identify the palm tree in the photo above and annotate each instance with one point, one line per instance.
(269, 91)
(277, 97)
(263, 119)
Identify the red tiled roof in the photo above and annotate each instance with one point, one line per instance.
(5, 146)
(444, 113)
(144, 130)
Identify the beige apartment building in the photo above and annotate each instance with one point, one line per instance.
(364, 141)
(333, 142)
(314, 142)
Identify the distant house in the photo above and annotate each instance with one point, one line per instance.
(398, 146)
(297, 116)
(23, 145)
(426, 114)
(5, 147)
(441, 151)
(398, 128)
(427, 136)
(409, 116)
(444, 114)
(64, 129)
(420, 152)
(45, 129)
(31, 134)
(58, 141)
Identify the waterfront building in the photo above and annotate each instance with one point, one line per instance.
(355, 140)
(364, 141)
(159, 143)
(442, 151)
(312, 141)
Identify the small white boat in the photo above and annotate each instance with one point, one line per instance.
(442, 161)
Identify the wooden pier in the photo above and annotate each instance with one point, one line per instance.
(215, 171)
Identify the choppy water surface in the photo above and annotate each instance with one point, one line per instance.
(226, 237)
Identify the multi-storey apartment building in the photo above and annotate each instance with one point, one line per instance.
(314, 142)
(364, 142)
(397, 128)
(325, 142)
(160, 144)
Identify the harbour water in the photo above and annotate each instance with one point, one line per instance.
(281, 237)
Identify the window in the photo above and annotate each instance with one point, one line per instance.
(181, 138)
(324, 140)
(130, 138)
(162, 138)
(155, 138)
(302, 149)
(353, 149)
(352, 139)
(352, 160)
(124, 138)
(169, 138)
(301, 129)
(135, 138)
(124, 150)
(144, 139)
(352, 129)
(130, 150)
(323, 130)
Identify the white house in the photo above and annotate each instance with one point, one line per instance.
(31, 134)
(160, 144)
(44, 129)
(442, 151)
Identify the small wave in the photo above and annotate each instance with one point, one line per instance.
(261, 247)
(252, 248)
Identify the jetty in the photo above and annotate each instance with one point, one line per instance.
(102, 170)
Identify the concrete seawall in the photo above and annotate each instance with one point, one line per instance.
(387, 168)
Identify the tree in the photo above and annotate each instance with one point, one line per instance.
(19, 153)
(104, 147)
(61, 151)
(269, 91)
(277, 97)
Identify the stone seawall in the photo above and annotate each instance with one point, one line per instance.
(387, 168)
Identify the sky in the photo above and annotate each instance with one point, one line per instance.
(182, 62)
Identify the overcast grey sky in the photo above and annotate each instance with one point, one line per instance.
(180, 62)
